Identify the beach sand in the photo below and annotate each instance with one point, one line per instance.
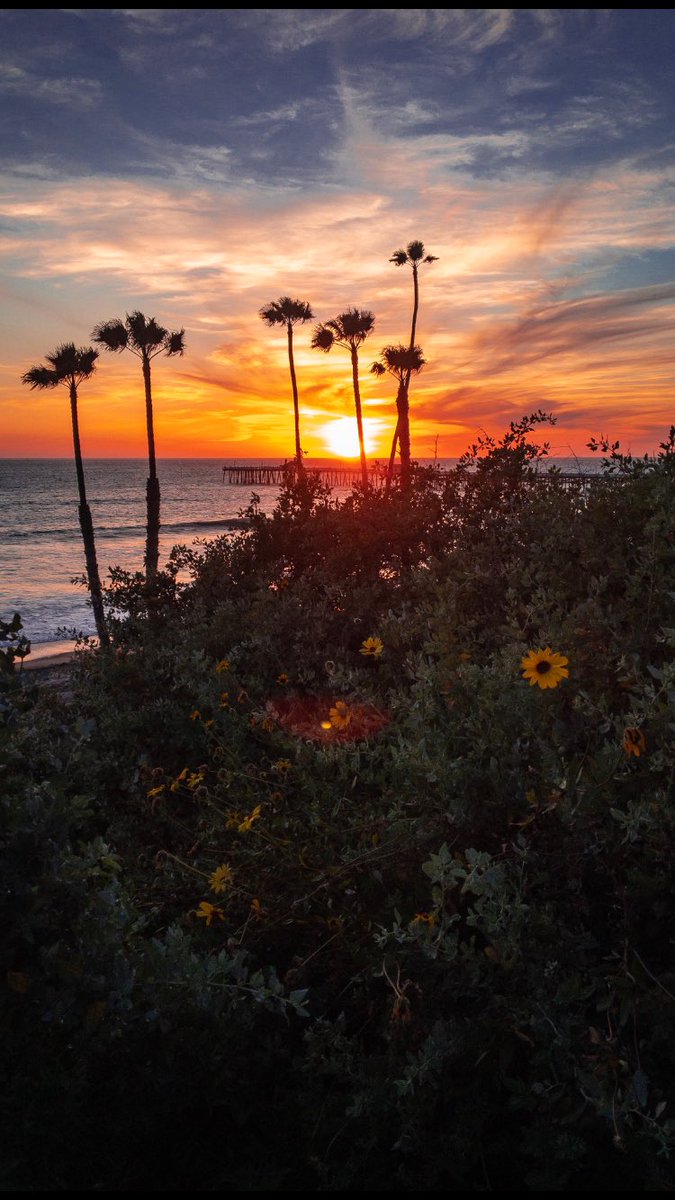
(45, 655)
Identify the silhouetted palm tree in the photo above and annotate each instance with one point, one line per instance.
(146, 339)
(285, 311)
(69, 366)
(350, 330)
(414, 255)
(401, 362)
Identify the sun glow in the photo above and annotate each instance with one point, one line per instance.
(342, 437)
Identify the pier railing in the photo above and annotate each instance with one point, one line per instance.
(266, 476)
(346, 477)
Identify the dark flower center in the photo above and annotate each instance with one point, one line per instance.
(542, 667)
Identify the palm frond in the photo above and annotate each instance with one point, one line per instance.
(146, 332)
(401, 360)
(323, 338)
(112, 335)
(69, 361)
(285, 310)
(175, 342)
(416, 251)
(41, 377)
(356, 324)
(399, 257)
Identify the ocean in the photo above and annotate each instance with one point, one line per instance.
(41, 545)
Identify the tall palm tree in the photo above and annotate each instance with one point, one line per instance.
(145, 338)
(285, 311)
(69, 366)
(413, 255)
(401, 362)
(350, 330)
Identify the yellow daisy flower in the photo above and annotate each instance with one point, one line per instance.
(634, 741)
(208, 912)
(283, 678)
(545, 668)
(283, 765)
(221, 879)
(340, 716)
(424, 918)
(223, 665)
(372, 647)
(247, 823)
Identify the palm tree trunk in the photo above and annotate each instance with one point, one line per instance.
(404, 433)
(403, 423)
(87, 528)
(416, 305)
(152, 486)
(359, 417)
(392, 457)
(296, 402)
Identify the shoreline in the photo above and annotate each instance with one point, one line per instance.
(45, 655)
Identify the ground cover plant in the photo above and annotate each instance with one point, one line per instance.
(347, 866)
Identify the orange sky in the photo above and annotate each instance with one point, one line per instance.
(553, 288)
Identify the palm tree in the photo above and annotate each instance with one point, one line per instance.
(69, 366)
(285, 311)
(145, 338)
(350, 330)
(401, 362)
(413, 255)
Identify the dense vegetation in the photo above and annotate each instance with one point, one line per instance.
(310, 886)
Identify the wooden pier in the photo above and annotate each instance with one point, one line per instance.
(266, 476)
(341, 476)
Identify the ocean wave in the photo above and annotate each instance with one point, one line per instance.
(110, 532)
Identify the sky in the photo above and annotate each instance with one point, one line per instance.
(196, 165)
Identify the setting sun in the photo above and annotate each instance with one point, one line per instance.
(342, 437)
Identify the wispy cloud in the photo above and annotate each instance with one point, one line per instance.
(70, 91)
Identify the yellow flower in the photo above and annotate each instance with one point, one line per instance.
(154, 792)
(223, 665)
(634, 741)
(195, 779)
(424, 918)
(283, 765)
(545, 668)
(221, 879)
(256, 907)
(180, 779)
(225, 700)
(208, 912)
(326, 725)
(247, 823)
(283, 678)
(340, 716)
(195, 715)
(372, 647)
